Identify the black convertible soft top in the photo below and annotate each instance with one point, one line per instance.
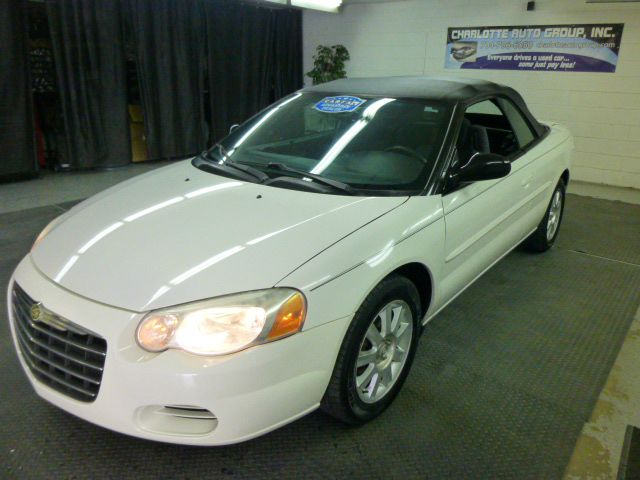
(449, 89)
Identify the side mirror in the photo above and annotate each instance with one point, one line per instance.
(483, 166)
(233, 127)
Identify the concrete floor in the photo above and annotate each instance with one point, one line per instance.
(605, 192)
(600, 446)
(52, 188)
(503, 385)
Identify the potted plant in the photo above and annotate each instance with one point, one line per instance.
(328, 63)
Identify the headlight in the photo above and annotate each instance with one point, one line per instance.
(225, 324)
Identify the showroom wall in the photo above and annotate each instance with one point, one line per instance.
(409, 38)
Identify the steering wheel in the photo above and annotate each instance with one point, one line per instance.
(407, 151)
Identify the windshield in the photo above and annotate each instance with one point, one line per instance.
(367, 143)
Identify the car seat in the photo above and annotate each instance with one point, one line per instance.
(472, 139)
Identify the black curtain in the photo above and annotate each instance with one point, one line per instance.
(169, 40)
(17, 144)
(287, 52)
(239, 51)
(88, 48)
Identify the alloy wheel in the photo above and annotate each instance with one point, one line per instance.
(383, 351)
(555, 211)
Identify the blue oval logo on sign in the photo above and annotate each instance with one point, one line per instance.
(342, 103)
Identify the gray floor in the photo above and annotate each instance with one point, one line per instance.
(502, 383)
(606, 192)
(52, 188)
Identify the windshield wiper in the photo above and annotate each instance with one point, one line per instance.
(316, 178)
(221, 148)
(228, 163)
(254, 172)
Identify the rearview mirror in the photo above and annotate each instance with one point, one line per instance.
(483, 166)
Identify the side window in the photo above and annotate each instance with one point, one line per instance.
(485, 129)
(484, 108)
(521, 127)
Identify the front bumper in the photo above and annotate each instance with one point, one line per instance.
(249, 393)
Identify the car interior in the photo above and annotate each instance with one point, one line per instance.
(396, 147)
(485, 129)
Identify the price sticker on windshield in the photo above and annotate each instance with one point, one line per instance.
(342, 103)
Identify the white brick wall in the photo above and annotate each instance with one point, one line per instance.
(409, 37)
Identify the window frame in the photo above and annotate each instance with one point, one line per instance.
(445, 186)
(494, 100)
(499, 101)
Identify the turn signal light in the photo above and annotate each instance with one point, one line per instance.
(290, 317)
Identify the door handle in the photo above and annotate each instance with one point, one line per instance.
(526, 182)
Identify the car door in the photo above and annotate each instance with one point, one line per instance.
(537, 164)
(485, 219)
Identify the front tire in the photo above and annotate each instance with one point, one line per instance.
(376, 353)
(545, 235)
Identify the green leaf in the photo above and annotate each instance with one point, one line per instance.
(328, 63)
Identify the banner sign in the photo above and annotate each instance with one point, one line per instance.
(550, 48)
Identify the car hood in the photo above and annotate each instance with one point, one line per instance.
(178, 234)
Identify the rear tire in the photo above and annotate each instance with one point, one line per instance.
(545, 235)
(376, 353)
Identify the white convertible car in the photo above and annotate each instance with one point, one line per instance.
(292, 266)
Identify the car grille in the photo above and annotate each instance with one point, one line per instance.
(66, 357)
